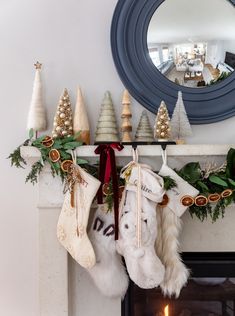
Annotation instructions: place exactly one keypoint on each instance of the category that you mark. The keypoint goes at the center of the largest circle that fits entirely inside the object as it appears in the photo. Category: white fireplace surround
(65, 289)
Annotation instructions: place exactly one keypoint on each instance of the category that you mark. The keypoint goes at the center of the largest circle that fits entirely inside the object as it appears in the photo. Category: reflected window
(154, 55)
(165, 54)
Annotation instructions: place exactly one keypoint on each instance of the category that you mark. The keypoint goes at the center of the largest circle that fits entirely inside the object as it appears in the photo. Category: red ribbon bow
(108, 169)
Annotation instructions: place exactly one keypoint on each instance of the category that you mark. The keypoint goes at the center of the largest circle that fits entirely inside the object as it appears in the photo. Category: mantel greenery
(212, 180)
(60, 145)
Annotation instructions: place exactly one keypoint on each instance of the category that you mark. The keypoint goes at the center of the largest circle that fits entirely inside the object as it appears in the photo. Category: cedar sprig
(169, 183)
(34, 173)
(15, 156)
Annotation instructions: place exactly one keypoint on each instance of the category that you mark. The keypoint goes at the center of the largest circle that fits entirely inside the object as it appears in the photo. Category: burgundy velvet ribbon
(107, 170)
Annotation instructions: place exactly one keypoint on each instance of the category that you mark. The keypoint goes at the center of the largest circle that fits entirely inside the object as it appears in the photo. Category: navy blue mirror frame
(146, 84)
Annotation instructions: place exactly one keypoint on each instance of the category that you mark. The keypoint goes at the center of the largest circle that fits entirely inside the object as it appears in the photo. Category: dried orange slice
(214, 197)
(165, 200)
(54, 155)
(201, 200)
(107, 189)
(66, 165)
(226, 193)
(187, 200)
(48, 141)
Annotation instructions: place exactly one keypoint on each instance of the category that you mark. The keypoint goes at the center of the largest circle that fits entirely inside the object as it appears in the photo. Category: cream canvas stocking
(167, 244)
(138, 225)
(108, 273)
(73, 219)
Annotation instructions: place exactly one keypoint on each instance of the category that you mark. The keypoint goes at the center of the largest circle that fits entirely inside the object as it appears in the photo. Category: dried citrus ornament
(66, 165)
(48, 141)
(107, 189)
(226, 193)
(201, 200)
(54, 155)
(214, 197)
(165, 201)
(187, 200)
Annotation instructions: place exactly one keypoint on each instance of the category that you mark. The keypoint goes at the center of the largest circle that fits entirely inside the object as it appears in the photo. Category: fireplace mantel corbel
(53, 266)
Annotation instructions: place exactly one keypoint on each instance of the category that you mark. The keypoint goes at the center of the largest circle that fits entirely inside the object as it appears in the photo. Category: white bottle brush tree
(180, 126)
(37, 112)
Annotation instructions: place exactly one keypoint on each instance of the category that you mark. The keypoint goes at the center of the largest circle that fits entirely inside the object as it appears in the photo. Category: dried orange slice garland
(200, 200)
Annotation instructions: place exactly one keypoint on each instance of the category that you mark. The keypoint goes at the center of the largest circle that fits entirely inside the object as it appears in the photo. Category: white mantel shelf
(145, 151)
(54, 267)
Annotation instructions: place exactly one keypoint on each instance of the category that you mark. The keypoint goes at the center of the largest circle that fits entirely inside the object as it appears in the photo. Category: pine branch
(15, 156)
(169, 183)
(16, 159)
(218, 211)
(201, 212)
(34, 173)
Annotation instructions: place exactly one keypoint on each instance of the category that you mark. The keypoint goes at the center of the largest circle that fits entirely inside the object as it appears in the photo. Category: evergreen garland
(217, 181)
(62, 145)
(207, 182)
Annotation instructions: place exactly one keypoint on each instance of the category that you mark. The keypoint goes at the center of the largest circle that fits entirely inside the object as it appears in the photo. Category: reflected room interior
(197, 47)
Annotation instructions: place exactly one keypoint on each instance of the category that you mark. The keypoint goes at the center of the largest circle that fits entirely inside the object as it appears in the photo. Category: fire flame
(166, 310)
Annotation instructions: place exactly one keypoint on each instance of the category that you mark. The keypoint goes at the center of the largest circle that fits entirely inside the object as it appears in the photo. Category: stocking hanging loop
(73, 154)
(135, 155)
(164, 156)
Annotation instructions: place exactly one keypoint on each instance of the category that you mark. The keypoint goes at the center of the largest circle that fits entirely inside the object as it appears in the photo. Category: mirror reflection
(192, 43)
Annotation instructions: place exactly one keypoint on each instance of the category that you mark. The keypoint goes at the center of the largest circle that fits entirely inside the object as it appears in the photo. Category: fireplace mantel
(54, 267)
(145, 151)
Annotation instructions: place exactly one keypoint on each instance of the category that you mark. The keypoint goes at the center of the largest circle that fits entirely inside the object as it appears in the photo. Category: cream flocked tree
(180, 125)
(80, 120)
(107, 130)
(37, 112)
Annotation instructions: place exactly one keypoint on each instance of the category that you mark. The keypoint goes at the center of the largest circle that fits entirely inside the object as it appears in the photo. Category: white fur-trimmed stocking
(73, 219)
(108, 273)
(167, 244)
(138, 225)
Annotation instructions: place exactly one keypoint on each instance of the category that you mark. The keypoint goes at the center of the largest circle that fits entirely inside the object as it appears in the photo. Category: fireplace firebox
(209, 292)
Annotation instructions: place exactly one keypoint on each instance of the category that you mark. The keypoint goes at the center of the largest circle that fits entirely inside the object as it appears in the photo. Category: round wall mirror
(193, 44)
(161, 47)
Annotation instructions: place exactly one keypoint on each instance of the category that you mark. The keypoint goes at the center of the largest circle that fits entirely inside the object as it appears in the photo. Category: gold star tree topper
(38, 65)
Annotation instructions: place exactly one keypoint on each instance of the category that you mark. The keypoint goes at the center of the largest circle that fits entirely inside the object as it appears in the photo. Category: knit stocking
(73, 219)
(108, 274)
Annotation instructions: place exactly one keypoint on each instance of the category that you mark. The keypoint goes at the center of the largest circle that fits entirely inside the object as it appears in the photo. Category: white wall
(71, 39)
(215, 52)
(229, 46)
